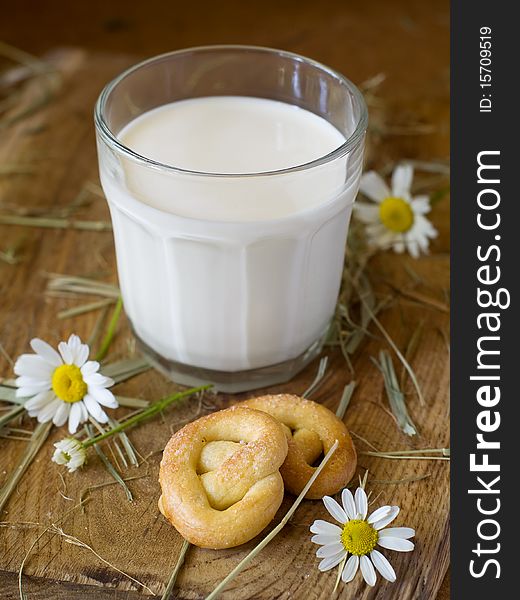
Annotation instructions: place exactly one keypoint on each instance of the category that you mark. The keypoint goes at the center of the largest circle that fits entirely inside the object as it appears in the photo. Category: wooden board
(59, 142)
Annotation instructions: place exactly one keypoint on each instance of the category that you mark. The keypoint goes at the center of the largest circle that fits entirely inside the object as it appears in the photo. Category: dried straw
(173, 577)
(395, 395)
(37, 440)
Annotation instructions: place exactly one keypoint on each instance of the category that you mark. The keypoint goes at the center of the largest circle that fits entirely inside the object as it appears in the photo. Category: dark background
(405, 39)
(473, 132)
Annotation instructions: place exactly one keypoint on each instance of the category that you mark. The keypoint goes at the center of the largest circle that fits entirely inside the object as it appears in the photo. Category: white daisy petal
(66, 353)
(329, 550)
(89, 368)
(78, 351)
(349, 506)
(84, 412)
(382, 565)
(323, 538)
(422, 224)
(373, 185)
(32, 365)
(46, 352)
(74, 341)
(335, 509)
(432, 232)
(93, 379)
(350, 569)
(49, 410)
(324, 527)
(383, 522)
(366, 213)
(98, 380)
(402, 181)
(75, 417)
(378, 514)
(29, 387)
(398, 532)
(81, 354)
(394, 543)
(39, 401)
(331, 561)
(420, 205)
(95, 409)
(376, 230)
(399, 246)
(25, 381)
(385, 239)
(367, 568)
(361, 503)
(107, 381)
(103, 396)
(423, 243)
(62, 414)
(413, 248)
(28, 391)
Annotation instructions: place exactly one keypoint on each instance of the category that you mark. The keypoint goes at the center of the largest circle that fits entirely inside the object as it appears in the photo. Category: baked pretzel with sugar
(220, 477)
(311, 430)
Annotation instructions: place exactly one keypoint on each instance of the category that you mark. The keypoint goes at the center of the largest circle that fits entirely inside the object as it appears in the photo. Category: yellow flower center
(396, 214)
(68, 384)
(358, 537)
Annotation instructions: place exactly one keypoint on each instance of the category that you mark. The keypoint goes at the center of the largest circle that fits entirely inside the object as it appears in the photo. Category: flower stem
(150, 411)
(107, 340)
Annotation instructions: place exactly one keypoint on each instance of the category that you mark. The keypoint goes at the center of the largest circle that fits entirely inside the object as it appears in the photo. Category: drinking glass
(241, 302)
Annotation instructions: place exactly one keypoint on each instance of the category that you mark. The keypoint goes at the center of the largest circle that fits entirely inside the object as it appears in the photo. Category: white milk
(230, 134)
(239, 272)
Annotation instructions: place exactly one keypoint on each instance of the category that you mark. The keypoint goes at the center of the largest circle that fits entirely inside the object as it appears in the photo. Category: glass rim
(110, 138)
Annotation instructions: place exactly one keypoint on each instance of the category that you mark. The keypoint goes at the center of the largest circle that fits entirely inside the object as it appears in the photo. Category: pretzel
(311, 430)
(219, 477)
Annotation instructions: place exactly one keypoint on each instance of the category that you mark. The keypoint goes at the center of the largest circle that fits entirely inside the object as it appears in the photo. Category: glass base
(231, 382)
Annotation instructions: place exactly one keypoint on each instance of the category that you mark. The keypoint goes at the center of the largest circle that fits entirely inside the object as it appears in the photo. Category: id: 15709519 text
(485, 70)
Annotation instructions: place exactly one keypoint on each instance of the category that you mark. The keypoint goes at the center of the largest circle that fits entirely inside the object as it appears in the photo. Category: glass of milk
(230, 173)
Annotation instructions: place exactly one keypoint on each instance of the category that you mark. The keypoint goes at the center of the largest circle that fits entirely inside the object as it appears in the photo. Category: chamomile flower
(358, 537)
(395, 219)
(71, 453)
(63, 386)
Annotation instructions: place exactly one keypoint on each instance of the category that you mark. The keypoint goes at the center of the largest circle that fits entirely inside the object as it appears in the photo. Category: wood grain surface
(406, 42)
